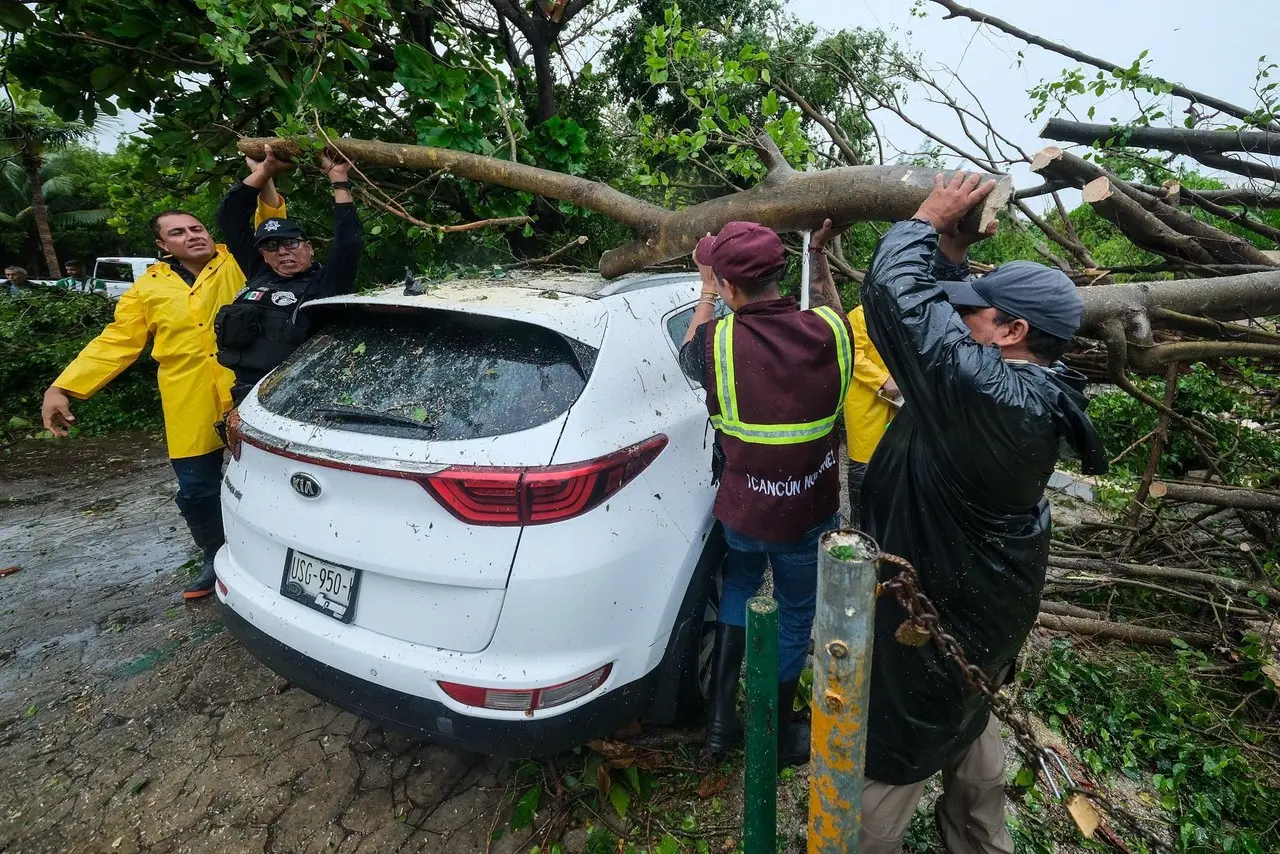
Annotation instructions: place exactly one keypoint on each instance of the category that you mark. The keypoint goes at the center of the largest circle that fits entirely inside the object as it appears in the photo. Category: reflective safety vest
(780, 377)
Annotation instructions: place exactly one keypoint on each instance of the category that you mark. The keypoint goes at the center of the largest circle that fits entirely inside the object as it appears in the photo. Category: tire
(695, 670)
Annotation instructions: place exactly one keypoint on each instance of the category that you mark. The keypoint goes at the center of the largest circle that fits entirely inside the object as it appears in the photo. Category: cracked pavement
(132, 722)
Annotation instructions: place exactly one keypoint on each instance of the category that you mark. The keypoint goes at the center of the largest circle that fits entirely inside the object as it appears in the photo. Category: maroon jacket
(787, 371)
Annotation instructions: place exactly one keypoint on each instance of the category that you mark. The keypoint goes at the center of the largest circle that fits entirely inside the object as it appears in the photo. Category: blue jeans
(795, 586)
(199, 482)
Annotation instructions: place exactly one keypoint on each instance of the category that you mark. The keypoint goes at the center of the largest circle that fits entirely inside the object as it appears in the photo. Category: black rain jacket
(956, 487)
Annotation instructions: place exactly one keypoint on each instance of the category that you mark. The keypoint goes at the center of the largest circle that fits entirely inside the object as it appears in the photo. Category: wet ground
(132, 722)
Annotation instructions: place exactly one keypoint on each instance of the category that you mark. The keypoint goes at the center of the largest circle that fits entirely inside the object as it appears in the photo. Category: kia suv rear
(482, 513)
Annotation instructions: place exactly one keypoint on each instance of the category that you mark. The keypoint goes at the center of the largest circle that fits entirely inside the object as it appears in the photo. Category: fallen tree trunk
(786, 200)
(1220, 298)
(1248, 196)
(1220, 496)
(1175, 140)
(1064, 609)
(1121, 631)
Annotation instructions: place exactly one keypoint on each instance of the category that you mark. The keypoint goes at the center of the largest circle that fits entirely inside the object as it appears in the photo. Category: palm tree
(58, 185)
(29, 131)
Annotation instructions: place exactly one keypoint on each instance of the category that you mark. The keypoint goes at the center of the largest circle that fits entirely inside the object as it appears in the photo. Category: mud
(131, 722)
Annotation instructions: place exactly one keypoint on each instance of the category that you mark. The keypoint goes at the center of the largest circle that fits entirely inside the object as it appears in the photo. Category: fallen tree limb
(1064, 609)
(786, 200)
(1139, 225)
(1221, 298)
(956, 10)
(1173, 573)
(580, 240)
(1247, 196)
(1212, 328)
(1248, 168)
(1121, 631)
(1054, 163)
(1175, 140)
(1219, 496)
(1147, 358)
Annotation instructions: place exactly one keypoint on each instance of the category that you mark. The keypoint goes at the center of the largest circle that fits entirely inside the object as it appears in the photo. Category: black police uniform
(262, 326)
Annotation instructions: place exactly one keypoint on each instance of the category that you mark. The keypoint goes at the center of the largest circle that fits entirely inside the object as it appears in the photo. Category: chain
(924, 624)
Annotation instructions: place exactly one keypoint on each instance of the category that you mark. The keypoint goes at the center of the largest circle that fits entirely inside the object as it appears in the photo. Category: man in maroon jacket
(776, 379)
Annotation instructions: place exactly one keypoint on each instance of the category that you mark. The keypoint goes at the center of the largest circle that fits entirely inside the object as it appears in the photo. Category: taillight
(234, 438)
(480, 495)
(526, 699)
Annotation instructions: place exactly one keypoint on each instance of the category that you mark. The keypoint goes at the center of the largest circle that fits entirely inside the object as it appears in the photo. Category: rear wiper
(340, 412)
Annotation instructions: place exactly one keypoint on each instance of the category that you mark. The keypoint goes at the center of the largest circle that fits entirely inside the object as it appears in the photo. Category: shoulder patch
(283, 298)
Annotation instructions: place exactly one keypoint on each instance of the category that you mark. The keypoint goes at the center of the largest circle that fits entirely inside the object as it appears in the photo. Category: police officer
(263, 326)
(776, 378)
(173, 306)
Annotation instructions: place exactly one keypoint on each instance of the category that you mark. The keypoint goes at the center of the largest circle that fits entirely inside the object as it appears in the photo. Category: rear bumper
(425, 717)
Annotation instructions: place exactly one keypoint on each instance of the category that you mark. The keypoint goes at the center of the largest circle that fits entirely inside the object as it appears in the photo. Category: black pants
(199, 482)
(857, 471)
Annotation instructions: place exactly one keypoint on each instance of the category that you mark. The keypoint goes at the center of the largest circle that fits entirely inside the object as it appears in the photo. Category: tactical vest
(780, 379)
(258, 330)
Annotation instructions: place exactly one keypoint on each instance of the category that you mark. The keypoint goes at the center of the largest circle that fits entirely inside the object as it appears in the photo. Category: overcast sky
(1212, 47)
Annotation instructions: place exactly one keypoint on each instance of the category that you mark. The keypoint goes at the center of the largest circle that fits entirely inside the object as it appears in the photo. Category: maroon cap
(743, 252)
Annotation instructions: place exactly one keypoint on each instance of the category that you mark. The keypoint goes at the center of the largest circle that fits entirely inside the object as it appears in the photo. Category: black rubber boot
(205, 523)
(723, 728)
(793, 735)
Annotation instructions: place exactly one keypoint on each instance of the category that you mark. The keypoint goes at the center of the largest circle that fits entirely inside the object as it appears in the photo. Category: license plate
(327, 587)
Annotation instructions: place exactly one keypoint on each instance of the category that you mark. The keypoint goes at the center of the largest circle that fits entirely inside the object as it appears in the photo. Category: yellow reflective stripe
(844, 349)
(722, 355)
(774, 434)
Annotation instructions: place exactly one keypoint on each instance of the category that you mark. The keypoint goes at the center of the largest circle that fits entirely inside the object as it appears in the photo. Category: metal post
(760, 827)
(841, 689)
(804, 272)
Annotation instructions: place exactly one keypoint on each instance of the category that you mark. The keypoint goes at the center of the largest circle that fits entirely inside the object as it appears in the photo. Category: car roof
(571, 303)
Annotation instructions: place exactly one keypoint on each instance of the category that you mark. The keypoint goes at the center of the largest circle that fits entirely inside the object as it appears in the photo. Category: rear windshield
(428, 374)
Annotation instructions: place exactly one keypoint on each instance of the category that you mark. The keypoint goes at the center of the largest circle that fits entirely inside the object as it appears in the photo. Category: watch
(340, 185)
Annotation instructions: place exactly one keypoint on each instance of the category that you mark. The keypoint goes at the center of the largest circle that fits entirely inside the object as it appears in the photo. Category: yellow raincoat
(195, 391)
(865, 415)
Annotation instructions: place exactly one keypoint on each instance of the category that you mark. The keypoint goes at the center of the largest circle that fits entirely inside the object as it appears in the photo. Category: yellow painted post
(841, 689)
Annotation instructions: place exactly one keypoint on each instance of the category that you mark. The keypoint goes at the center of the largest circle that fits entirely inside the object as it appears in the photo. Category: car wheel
(695, 671)
(707, 637)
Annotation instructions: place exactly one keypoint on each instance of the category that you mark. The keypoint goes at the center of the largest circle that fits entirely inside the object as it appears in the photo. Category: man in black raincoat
(957, 487)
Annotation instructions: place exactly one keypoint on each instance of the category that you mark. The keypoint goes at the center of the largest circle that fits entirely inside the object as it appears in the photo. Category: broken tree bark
(1121, 631)
(1174, 140)
(786, 200)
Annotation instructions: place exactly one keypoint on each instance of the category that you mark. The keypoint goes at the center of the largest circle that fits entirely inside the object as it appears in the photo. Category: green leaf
(246, 80)
(419, 414)
(1025, 779)
(526, 808)
(668, 845)
(358, 350)
(621, 800)
(105, 76)
(15, 17)
(132, 27)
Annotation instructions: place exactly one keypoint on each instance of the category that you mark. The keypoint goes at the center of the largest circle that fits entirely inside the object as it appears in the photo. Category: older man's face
(15, 275)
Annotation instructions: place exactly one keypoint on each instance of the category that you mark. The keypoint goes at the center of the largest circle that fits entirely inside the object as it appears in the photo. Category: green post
(761, 777)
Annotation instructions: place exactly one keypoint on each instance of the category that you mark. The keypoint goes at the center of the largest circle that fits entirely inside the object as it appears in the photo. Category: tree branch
(956, 10)
(1189, 141)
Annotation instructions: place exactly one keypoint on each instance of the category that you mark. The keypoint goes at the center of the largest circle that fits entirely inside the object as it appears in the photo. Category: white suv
(482, 513)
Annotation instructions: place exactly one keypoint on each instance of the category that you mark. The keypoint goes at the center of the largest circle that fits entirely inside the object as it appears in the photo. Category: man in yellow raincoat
(173, 306)
(868, 408)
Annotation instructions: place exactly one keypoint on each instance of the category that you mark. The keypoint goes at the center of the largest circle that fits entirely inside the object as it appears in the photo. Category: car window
(457, 375)
(678, 323)
(114, 272)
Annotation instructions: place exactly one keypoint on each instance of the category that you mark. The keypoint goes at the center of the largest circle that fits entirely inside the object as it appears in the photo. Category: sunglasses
(277, 245)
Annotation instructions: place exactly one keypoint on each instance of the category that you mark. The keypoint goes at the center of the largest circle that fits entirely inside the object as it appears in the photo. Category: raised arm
(822, 285)
(246, 205)
(920, 336)
(348, 236)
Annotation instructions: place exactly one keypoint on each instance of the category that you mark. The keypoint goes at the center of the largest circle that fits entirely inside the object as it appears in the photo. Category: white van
(119, 274)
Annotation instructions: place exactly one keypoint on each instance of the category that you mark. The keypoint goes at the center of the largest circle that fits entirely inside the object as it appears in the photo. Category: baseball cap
(278, 228)
(745, 253)
(1042, 296)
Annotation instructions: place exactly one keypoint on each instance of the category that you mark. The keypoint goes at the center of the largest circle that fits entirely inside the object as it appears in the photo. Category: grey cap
(1042, 296)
